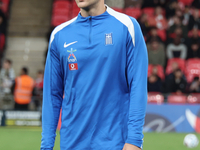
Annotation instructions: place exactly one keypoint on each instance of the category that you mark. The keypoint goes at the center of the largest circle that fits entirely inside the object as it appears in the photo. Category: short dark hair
(8, 61)
(25, 70)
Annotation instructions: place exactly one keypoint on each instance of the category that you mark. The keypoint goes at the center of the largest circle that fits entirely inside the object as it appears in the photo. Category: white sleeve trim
(60, 27)
(125, 20)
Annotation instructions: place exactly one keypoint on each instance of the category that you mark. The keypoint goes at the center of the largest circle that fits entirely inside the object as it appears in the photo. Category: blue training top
(100, 65)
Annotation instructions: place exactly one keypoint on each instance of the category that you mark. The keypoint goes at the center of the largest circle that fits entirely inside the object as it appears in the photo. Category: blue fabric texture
(99, 63)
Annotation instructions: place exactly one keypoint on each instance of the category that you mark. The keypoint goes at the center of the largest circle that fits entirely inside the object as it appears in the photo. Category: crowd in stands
(171, 29)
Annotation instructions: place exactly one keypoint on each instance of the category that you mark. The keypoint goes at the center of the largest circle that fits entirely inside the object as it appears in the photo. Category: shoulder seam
(124, 19)
(60, 27)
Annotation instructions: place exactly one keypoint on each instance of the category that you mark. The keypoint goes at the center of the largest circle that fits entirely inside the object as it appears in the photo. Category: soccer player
(98, 61)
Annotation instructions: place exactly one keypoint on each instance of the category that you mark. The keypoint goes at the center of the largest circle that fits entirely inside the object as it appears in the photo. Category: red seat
(57, 20)
(186, 2)
(75, 10)
(162, 34)
(191, 32)
(133, 12)
(60, 12)
(5, 7)
(179, 61)
(160, 71)
(6, 1)
(2, 42)
(192, 69)
(176, 99)
(118, 9)
(154, 97)
(149, 11)
(61, 5)
(193, 98)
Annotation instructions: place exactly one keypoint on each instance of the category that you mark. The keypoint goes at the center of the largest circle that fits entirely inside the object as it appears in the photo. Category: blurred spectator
(161, 22)
(176, 49)
(177, 23)
(195, 86)
(194, 50)
(22, 89)
(133, 3)
(186, 15)
(156, 53)
(196, 4)
(143, 21)
(7, 76)
(194, 21)
(171, 8)
(153, 35)
(38, 90)
(153, 3)
(194, 37)
(154, 83)
(176, 83)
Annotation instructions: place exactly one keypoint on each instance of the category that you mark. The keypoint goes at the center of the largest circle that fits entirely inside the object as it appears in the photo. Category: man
(7, 76)
(105, 87)
(23, 88)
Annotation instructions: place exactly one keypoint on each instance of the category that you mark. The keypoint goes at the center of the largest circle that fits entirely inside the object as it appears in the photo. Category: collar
(99, 17)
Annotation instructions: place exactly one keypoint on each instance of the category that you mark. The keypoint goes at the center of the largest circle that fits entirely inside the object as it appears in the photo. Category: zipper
(90, 20)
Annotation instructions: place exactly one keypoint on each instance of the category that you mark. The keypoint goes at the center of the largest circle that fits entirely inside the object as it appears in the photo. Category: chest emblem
(73, 65)
(108, 39)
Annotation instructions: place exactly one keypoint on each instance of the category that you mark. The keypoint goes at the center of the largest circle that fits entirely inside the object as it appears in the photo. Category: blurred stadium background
(171, 29)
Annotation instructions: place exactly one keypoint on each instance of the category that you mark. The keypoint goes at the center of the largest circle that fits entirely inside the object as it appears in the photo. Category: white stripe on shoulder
(60, 27)
(125, 20)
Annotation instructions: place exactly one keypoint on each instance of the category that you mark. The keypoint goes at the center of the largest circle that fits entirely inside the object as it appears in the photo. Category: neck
(94, 10)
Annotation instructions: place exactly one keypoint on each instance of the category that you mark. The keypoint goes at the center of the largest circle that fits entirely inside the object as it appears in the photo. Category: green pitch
(29, 139)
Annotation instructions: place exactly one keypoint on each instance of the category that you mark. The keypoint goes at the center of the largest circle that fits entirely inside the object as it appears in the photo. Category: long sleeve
(52, 96)
(169, 51)
(137, 66)
(183, 51)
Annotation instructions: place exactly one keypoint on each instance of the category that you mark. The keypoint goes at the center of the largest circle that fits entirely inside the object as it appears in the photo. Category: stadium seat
(61, 5)
(149, 11)
(159, 68)
(75, 10)
(2, 42)
(5, 7)
(133, 12)
(176, 99)
(118, 9)
(192, 69)
(193, 98)
(154, 97)
(190, 33)
(60, 12)
(57, 20)
(162, 34)
(186, 2)
(6, 1)
(179, 61)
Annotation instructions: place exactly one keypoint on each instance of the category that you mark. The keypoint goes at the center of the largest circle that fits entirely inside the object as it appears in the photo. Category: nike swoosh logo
(66, 45)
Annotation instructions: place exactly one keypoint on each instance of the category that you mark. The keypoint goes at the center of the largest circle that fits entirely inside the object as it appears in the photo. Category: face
(178, 74)
(152, 79)
(87, 4)
(194, 47)
(6, 65)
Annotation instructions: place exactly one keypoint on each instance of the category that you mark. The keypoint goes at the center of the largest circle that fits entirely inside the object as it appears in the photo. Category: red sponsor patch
(73, 66)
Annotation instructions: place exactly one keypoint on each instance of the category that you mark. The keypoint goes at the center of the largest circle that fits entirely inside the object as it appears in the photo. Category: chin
(82, 5)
